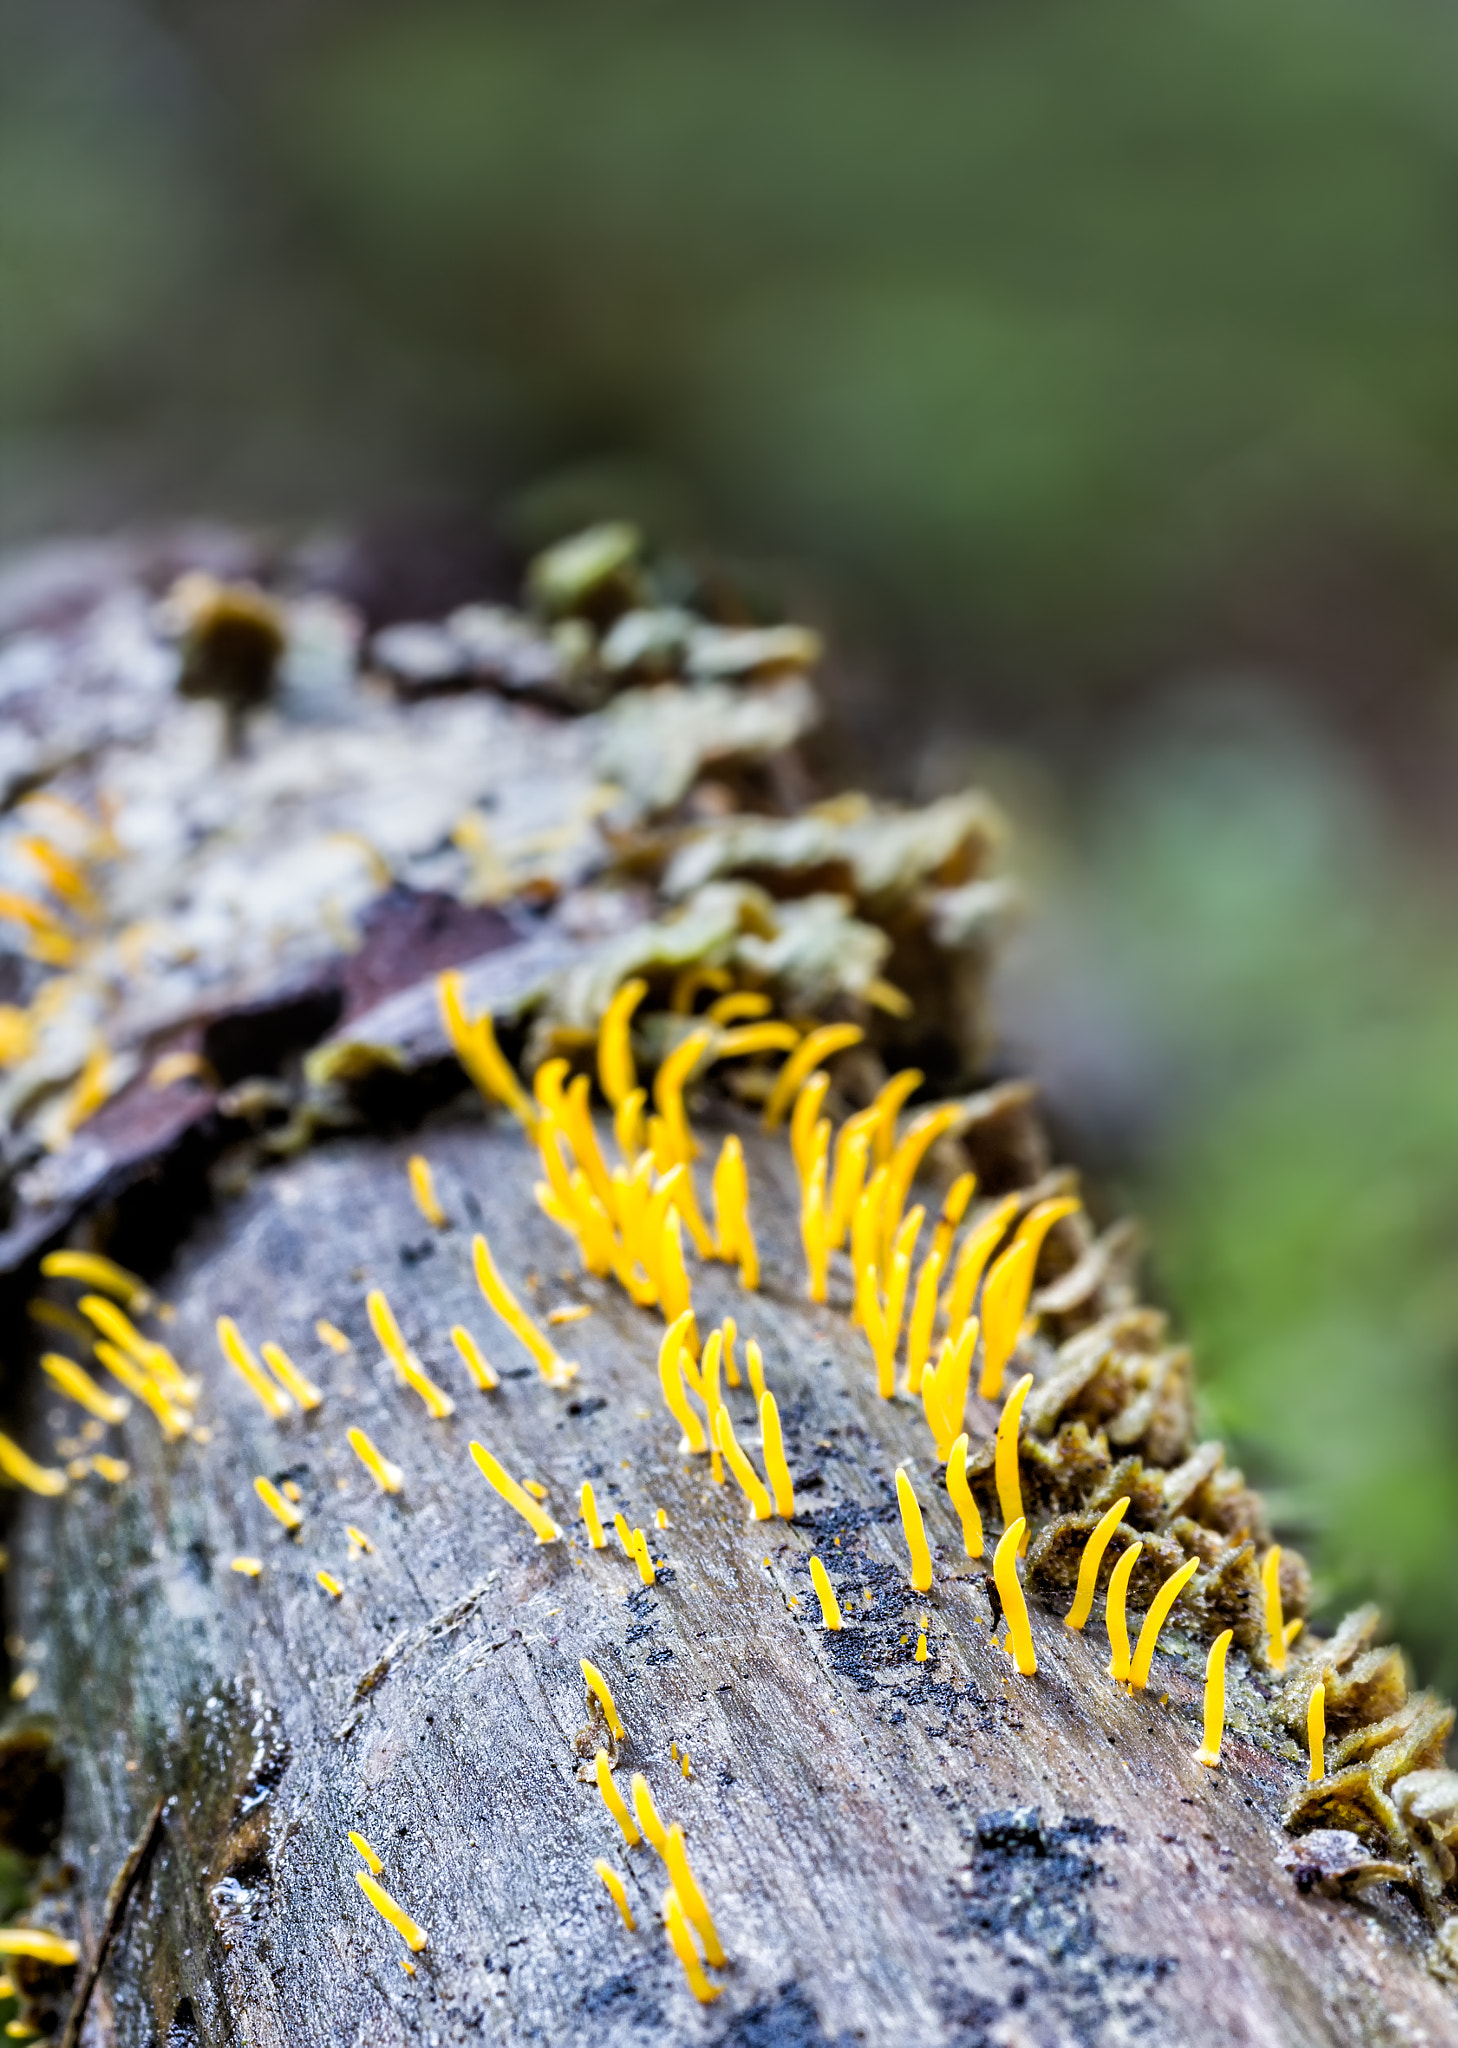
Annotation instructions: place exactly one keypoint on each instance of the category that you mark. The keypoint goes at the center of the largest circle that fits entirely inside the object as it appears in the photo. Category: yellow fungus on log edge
(1014, 1606)
(1209, 1751)
(515, 1496)
(617, 1891)
(413, 1937)
(598, 1685)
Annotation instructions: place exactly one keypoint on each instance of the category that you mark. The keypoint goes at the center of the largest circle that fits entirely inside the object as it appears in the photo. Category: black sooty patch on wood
(1028, 1895)
(788, 2020)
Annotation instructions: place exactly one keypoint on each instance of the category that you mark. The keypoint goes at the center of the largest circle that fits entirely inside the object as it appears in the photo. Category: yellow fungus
(55, 1317)
(617, 1892)
(712, 1399)
(590, 1515)
(576, 1119)
(673, 1286)
(357, 1539)
(1155, 1619)
(1014, 1606)
(330, 1584)
(39, 1945)
(804, 1118)
(742, 1002)
(676, 1922)
(64, 875)
(334, 1338)
(1114, 1616)
(675, 1394)
(816, 1046)
(577, 1312)
(248, 1567)
(1275, 1625)
(473, 1358)
(646, 1814)
(554, 1369)
(754, 1489)
(77, 1384)
(884, 1110)
(961, 1497)
(1316, 1733)
(774, 1035)
(1093, 1557)
(289, 1377)
(923, 1318)
(812, 1218)
(51, 941)
(825, 1594)
(238, 1355)
(172, 1420)
(112, 1470)
(625, 1534)
(181, 1066)
(386, 1907)
(96, 1271)
(292, 1491)
(596, 1683)
(17, 1035)
(1209, 1750)
(515, 1496)
(944, 1391)
(921, 1134)
(920, 1653)
(24, 1471)
(408, 1370)
(642, 1559)
(1041, 1218)
(615, 1069)
(694, 1904)
(422, 1186)
(389, 1478)
(734, 1238)
(1004, 1303)
(976, 1249)
(613, 1799)
(660, 1516)
(754, 1366)
(628, 1123)
(852, 1149)
(278, 1504)
(885, 995)
(1292, 1629)
(474, 1044)
(372, 1862)
(865, 1232)
(688, 982)
(535, 1488)
(668, 1086)
(776, 1471)
(915, 1531)
(1005, 1467)
(954, 1208)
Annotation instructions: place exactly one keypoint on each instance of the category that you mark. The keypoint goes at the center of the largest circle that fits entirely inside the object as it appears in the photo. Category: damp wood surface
(895, 1852)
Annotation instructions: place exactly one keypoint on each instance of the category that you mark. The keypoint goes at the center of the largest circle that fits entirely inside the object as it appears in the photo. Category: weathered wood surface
(842, 1808)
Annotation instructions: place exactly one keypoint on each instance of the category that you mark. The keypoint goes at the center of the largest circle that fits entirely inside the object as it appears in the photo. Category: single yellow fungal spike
(641, 1558)
(474, 1044)
(1316, 1733)
(590, 1515)
(976, 1249)
(25, 1472)
(39, 1945)
(816, 1046)
(371, 1861)
(556, 1371)
(923, 1318)
(1209, 1750)
(954, 1208)
(412, 1936)
(742, 1002)
(515, 1496)
(77, 1384)
(865, 1240)
(754, 1489)
(625, 1534)
(825, 1593)
(1004, 1304)
(1088, 1567)
(1005, 1466)
(113, 1470)
(243, 1362)
(284, 1510)
(54, 1317)
(694, 1904)
(289, 1377)
(1041, 1218)
(334, 1338)
(615, 1070)
(422, 1186)
(668, 1086)
(754, 1366)
(731, 1370)
(628, 1124)
(473, 1358)
(774, 1035)
(775, 1469)
(673, 1286)
(916, 1543)
(96, 1271)
(358, 1539)
(389, 1478)
(887, 1106)
(1275, 1624)
(690, 980)
(1155, 1619)
(921, 1134)
(804, 1119)
(613, 1799)
(655, 1833)
(709, 1366)
(247, 1567)
(172, 1420)
(961, 1497)
(676, 1922)
(617, 1892)
(812, 1218)
(1114, 1615)
(675, 1394)
(596, 1683)
(1014, 1606)
(920, 1653)
(330, 1584)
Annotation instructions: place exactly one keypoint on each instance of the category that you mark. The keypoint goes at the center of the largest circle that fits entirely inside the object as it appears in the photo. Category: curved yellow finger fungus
(694, 1904)
(597, 1684)
(590, 1515)
(615, 1070)
(915, 1531)
(655, 1833)
(743, 1002)
(330, 1584)
(961, 1497)
(669, 1083)
(1275, 1625)
(641, 1558)
(976, 1249)
(283, 1510)
(388, 1477)
(761, 1507)
(474, 1044)
(1209, 1751)
(613, 1799)
(238, 1355)
(515, 1496)
(408, 1370)
(290, 1378)
(473, 1358)
(1155, 1619)
(95, 1271)
(555, 1370)
(733, 1235)
(1004, 1304)
(413, 1937)
(1009, 1484)
(923, 1318)
(39, 1945)
(78, 1386)
(1014, 1606)
(422, 1187)
(825, 1593)
(816, 1046)
(247, 1567)
(335, 1338)
(683, 1947)
(776, 1471)
(1114, 1615)
(372, 1862)
(675, 1393)
(617, 1892)
(1088, 1567)
(172, 1420)
(25, 1472)
(1316, 1733)
(805, 1121)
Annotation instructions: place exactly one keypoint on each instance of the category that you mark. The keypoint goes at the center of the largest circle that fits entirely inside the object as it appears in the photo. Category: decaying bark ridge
(893, 1850)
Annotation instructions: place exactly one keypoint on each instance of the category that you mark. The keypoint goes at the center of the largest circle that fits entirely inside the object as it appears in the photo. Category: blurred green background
(1092, 371)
